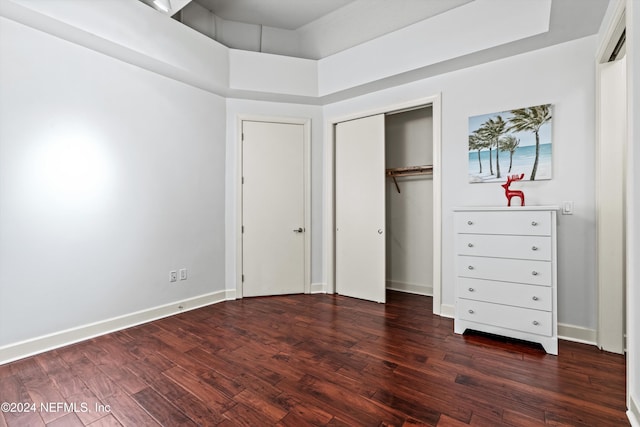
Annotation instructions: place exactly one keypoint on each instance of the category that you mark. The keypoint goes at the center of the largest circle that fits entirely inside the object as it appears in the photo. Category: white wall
(278, 74)
(562, 75)
(239, 107)
(409, 215)
(132, 32)
(110, 177)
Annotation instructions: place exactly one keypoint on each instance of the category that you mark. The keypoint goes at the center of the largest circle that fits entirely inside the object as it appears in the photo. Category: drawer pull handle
(536, 323)
(534, 248)
(471, 290)
(471, 312)
(535, 273)
(534, 223)
(470, 222)
(470, 267)
(470, 245)
(535, 298)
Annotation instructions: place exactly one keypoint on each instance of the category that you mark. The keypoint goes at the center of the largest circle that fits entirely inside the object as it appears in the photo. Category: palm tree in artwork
(531, 119)
(491, 131)
(476, 142)
(509, 143)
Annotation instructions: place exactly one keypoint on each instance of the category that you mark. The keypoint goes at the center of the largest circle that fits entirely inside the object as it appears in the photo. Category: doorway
(611, 148)
(331, 238)
(274, 218)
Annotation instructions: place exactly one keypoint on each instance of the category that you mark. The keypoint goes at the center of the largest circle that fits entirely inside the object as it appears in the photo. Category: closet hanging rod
(408, 171)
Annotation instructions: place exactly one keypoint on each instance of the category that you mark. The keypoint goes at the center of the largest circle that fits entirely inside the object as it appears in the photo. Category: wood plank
(161, 409)
(23, 411)
(46, 396)
(68, 420)
(199, 412)
(92, 403)
(107, 421)
(127, 411)
(191, 383)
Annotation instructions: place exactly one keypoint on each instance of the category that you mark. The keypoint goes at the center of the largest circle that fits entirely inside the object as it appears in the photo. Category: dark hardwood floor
(313, 360)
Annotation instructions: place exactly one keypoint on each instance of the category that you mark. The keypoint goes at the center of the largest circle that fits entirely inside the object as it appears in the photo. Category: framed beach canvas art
(511, 142)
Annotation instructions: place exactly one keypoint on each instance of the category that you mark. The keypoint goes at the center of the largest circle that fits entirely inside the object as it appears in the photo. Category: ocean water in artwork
(523, 159)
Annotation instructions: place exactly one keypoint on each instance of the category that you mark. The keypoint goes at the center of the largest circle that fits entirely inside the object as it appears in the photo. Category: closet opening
(409, 200)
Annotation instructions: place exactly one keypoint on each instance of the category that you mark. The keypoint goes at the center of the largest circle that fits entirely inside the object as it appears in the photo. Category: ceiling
(284, 14)
(316, 29)
(311, 29)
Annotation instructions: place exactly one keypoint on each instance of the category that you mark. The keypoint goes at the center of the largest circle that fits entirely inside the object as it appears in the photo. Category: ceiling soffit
(283, 14)
(311, 29)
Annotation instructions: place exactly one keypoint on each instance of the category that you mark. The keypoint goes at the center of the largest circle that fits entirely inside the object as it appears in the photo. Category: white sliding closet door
(360, 208)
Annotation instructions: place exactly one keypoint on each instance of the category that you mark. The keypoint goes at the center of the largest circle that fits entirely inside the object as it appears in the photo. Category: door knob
(380, 231)
(298, 230)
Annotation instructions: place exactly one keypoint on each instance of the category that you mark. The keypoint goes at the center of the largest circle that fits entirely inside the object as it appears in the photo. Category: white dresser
(506, 272)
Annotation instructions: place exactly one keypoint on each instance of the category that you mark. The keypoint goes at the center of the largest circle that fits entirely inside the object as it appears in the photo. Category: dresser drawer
(505, 246)
(515, 294)
(505, 270)
(505, 316)
(537, 223)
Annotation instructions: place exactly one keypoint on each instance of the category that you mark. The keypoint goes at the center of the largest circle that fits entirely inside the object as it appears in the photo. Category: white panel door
(610, 183)
(272, 208)
(360, 208)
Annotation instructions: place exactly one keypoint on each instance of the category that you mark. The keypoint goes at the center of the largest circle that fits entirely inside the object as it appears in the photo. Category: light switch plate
(567, 208)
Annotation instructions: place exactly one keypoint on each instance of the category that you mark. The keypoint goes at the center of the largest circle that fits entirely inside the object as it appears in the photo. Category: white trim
(612, 32)
(447, 310)
(238, 186)
(633, 413)
(318, 288)
(604, 308)
(436, 106)
(55, 340)
(328, 219)
(435, 102)
(306, 123)
(577, 334)
(230, 294)
(411, 288)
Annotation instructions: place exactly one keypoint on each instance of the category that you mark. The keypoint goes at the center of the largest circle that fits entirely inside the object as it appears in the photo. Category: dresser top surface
(504, 208)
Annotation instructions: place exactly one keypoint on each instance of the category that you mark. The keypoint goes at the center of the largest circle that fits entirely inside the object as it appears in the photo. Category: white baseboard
(318, 288)
(634, 412)
(230, 294)
(447, 310)
(412, 288)
(44, 343)
(577, 334)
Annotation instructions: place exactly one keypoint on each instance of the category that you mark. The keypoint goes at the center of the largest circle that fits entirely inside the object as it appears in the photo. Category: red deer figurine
(513, 193)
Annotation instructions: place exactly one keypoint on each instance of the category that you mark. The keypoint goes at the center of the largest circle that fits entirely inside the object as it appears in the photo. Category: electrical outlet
(183, 274)
(173, 276)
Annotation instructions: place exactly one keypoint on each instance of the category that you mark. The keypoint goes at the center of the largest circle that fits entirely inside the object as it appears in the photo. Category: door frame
(606, 306)
(306, 125)
(329, 200)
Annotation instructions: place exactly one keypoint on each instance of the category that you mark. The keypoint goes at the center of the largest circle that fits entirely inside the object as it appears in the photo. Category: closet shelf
(408, 171)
